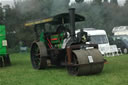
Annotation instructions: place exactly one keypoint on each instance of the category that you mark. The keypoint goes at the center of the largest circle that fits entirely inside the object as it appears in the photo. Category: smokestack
(72, 21)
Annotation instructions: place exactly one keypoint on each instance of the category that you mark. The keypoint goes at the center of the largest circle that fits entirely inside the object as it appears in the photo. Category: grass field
(22, 73)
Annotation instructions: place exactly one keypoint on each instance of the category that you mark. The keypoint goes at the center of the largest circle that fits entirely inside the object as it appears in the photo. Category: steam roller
(61, 46)
(86, 62)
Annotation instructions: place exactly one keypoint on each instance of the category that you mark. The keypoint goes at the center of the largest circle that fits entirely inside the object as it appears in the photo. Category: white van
(98, 37)
(121, 30)
(120, 38)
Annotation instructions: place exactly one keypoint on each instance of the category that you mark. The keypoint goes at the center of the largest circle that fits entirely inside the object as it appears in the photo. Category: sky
(4, 2)
(121, 2)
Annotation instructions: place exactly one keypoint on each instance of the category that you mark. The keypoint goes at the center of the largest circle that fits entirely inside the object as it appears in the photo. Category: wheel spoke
(37, 55)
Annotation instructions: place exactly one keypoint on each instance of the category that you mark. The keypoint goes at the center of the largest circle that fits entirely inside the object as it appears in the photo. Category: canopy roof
(58, 19)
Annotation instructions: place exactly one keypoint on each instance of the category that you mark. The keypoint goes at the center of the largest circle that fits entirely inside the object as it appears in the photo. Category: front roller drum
(38, 55)
(82, 65)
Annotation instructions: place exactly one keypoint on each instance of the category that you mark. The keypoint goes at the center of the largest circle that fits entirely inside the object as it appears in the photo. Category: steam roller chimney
(72, 21)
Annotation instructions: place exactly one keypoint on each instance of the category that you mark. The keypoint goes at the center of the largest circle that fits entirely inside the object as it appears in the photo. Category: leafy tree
(114, 2)
(59, 6)
(98, 15)
(99, 2)
(126, 3)
(1, 14)
(26, 11)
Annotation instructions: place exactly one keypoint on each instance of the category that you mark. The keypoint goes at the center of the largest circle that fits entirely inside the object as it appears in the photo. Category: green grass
(22, 73)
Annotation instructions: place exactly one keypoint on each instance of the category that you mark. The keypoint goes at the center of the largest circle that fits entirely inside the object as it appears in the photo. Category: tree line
(98, 15)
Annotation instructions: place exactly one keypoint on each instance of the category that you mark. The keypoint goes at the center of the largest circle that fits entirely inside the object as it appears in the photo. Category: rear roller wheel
(38, 55)
(80, 64)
